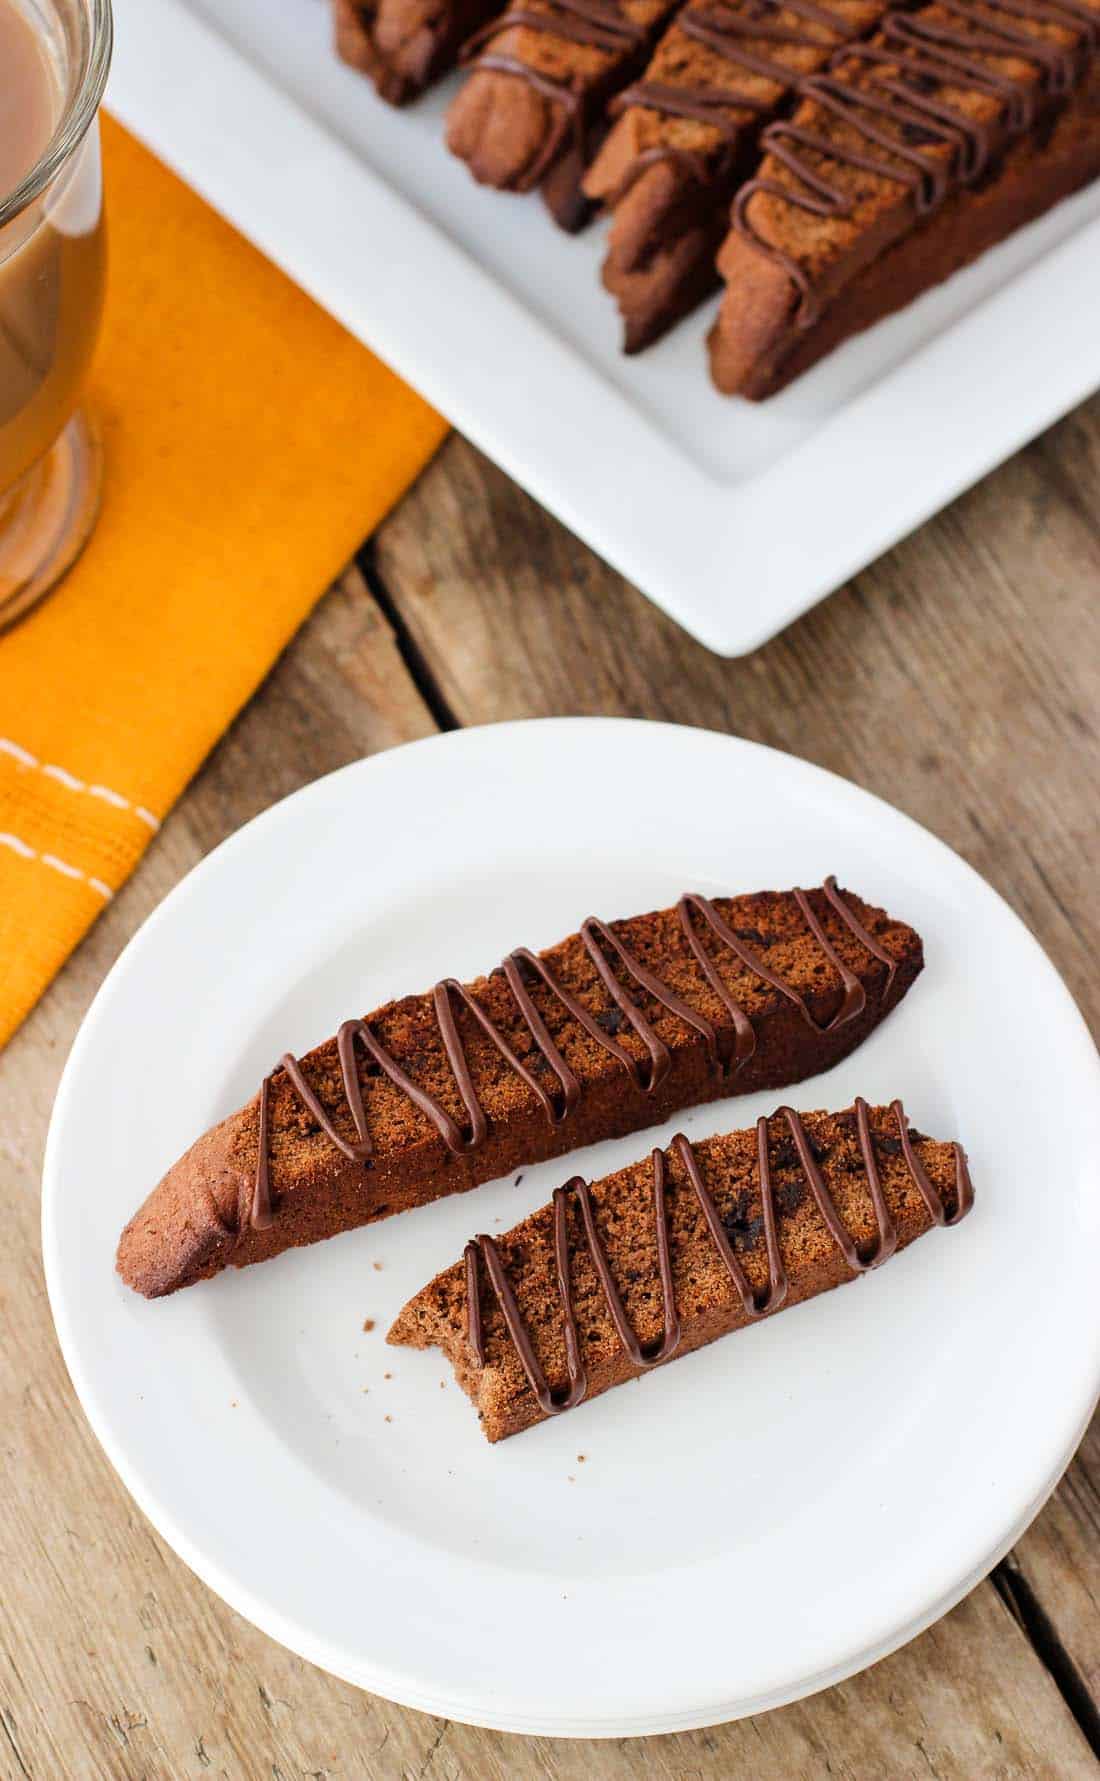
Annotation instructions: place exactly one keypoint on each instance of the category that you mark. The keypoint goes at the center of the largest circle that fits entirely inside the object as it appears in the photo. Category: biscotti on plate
(685, 138)
(616, 1028)
(954, 125)
(617, 1277)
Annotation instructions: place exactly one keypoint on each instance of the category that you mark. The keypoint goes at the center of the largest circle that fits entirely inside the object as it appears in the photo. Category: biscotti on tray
(614, 1029)
(826, 160)
(405, 45)
(685, 138)
(954, 125)
(534, 107)
(620, 1276)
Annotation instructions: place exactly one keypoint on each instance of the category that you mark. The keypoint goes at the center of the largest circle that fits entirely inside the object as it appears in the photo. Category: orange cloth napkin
(250, 446)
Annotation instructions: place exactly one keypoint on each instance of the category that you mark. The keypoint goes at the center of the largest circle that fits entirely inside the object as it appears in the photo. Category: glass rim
(76, 118)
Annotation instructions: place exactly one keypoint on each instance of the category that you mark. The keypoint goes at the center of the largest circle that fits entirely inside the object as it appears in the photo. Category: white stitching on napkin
(56, 865)
(73, 784)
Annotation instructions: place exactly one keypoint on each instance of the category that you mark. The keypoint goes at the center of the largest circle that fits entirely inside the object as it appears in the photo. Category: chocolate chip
(920, 135)
(1044, 130)
(740, 1225)
(750, 1236)
(784, 1154)
(790, 1195)
(612, 1020)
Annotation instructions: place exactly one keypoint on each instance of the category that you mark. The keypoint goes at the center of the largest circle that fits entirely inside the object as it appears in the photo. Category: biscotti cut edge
(684, 138)
(404, 46)
(533, 107)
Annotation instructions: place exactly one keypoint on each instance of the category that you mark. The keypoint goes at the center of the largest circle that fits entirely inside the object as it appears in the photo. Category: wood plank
(944, 1707)
(1053, 1579)
(959, 678)
(115, 1662)
(1054, 1573)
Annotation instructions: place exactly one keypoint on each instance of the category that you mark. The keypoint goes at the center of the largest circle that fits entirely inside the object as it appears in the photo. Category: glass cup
(52, 267)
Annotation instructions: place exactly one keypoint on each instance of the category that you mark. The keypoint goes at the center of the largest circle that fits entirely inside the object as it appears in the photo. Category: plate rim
(731, 570)
(312, 1647)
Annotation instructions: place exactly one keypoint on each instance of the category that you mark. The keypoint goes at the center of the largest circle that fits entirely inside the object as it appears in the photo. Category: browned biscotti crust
(534, 122)
(860, 263)
(1027, 184)
(667, 177)
(405, 45)
(706, 1302)
(201, 1217)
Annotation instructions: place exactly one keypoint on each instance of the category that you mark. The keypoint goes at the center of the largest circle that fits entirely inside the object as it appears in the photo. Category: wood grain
(959, 678)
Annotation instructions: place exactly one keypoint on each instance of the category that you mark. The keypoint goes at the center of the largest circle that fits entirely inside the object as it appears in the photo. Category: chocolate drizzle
(485, 1249)
(897, 78)
(697, 169)
(598, 24)
(698, 102)
(521, 968)
(725, 31)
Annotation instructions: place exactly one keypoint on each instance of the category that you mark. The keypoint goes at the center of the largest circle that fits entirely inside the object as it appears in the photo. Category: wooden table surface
(958, 678)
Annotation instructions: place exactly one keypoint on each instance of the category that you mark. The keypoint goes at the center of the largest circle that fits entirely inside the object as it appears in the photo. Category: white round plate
(747, 1525)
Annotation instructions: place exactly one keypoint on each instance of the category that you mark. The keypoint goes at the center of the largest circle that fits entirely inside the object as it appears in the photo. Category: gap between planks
(416, 662)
